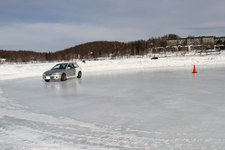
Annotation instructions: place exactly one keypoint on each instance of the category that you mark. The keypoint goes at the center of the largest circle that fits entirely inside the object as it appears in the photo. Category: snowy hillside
(13, 71)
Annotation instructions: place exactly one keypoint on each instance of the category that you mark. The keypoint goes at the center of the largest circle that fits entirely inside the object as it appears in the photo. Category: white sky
(50, 25)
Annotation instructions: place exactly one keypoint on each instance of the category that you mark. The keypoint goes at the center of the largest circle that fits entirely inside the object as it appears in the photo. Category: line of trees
(91, 50)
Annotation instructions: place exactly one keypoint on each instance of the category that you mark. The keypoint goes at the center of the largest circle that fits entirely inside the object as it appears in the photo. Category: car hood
(54, 71)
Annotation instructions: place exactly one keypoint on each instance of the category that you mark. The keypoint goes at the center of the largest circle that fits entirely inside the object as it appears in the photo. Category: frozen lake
(161, 109)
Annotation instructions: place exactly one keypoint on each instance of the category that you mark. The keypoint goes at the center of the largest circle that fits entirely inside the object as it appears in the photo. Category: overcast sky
(51, 25)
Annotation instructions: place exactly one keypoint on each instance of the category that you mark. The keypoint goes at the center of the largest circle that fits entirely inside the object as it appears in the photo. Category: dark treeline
(90, 50)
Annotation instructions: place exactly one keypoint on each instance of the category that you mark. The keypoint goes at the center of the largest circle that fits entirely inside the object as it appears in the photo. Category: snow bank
(13, 71)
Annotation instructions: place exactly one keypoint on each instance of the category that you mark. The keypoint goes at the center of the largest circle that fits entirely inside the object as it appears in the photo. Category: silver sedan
(62, 71)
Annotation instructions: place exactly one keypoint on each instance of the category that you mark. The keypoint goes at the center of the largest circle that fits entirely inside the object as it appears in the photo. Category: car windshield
(59, 66)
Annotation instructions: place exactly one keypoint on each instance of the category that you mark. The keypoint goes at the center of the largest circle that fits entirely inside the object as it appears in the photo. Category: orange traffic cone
(194, 70)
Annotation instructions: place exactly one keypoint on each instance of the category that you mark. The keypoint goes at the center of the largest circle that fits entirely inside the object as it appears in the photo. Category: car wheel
(47, 80)
(79, 74)
(63, 77)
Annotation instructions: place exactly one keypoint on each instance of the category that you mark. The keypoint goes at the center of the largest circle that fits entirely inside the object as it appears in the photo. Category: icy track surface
(161, 109)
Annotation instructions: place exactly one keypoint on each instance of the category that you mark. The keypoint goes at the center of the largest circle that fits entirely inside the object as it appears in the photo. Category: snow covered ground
(150, 104)
(13, 71)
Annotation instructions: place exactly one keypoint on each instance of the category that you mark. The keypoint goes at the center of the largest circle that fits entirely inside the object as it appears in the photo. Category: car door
(70, 70)
(76, 68)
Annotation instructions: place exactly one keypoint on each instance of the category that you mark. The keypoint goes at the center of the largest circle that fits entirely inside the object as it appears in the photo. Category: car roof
(68, 63)
(61, 63)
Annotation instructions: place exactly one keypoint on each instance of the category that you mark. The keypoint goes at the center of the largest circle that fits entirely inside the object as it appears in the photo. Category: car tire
(63, 77)
(79, 74)
(47, 80)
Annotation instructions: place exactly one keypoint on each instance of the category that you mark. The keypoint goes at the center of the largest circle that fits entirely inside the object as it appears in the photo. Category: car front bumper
(51, 77)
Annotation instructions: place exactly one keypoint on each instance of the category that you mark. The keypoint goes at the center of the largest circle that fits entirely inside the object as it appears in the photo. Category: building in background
(197, 43)
(2, 60)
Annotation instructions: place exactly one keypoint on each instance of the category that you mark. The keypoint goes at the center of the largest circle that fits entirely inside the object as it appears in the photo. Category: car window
(59, 66)
(76, 65)
(71, 66)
